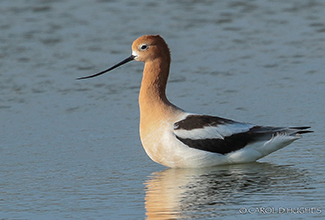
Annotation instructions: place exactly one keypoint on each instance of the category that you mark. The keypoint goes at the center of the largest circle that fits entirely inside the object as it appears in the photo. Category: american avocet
(176, 138)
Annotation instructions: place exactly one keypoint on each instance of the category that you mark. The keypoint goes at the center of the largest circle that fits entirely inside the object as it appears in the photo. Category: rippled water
(70, 149)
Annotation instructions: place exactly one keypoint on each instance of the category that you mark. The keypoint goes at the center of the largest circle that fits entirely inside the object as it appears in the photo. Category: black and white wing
(223, 136)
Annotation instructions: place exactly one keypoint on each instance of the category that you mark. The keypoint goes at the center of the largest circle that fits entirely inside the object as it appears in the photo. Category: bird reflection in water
(216, 191)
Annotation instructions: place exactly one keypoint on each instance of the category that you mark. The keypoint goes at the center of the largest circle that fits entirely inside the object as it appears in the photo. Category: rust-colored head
(146, 48)
(150, 47)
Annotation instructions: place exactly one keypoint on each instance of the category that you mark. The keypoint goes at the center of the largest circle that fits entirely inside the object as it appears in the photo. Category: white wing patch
(227, 130)
(213, 132)
(199, 133)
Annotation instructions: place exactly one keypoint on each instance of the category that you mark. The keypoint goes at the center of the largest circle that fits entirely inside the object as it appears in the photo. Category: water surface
(71, 150)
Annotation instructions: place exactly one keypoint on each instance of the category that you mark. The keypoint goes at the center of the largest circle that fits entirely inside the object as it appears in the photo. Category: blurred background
(70, 149)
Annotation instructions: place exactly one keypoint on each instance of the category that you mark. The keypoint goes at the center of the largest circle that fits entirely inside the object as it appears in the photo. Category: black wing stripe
(200, 121)
(228, 144)
(301, 130)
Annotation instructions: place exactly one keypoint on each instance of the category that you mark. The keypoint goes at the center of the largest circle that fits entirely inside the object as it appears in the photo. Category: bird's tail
(299, 130)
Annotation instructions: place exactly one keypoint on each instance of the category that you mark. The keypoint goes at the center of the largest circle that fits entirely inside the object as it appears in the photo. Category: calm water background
(70, 149)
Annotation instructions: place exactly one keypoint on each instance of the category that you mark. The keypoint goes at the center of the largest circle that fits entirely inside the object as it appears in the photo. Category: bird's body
(176, 138)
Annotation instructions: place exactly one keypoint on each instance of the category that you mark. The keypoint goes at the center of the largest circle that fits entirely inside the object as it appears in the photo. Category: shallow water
(70, 149)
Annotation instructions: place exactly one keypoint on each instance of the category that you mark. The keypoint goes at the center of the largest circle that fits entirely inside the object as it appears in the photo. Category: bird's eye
(143, 47)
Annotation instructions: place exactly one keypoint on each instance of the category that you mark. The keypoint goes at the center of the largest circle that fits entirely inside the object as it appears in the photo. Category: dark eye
(144, 47)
